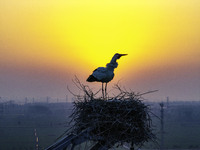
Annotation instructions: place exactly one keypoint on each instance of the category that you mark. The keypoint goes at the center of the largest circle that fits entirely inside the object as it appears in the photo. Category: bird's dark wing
(100, 69)
(100, 73)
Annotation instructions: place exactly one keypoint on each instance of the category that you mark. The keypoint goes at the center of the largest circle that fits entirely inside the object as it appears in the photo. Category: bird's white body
(105, 74)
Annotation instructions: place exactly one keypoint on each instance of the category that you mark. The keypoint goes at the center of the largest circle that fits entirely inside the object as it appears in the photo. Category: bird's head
(117, 56)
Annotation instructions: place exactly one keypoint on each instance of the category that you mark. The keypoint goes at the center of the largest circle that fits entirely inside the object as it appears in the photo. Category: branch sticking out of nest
(88, 93)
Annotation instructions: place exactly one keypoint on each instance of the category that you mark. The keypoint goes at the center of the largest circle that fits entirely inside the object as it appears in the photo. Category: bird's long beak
(123, 54)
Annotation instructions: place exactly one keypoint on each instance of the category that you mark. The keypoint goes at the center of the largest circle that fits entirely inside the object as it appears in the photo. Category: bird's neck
(112, 65)
(113, 60)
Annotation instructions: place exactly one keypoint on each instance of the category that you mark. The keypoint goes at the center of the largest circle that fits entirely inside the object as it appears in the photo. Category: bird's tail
(91, 78)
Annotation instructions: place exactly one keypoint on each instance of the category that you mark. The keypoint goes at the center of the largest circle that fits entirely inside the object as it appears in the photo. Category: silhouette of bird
(105, 74)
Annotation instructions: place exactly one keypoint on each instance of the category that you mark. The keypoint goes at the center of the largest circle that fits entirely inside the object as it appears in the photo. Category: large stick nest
(120, 119)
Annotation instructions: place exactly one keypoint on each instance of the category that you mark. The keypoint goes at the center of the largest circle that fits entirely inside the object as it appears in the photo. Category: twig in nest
(88, 93)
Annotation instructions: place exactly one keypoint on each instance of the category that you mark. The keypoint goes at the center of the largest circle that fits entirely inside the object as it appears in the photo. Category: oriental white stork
(105, 74)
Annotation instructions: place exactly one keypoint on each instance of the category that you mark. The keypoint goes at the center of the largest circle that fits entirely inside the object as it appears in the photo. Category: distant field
(18, 123)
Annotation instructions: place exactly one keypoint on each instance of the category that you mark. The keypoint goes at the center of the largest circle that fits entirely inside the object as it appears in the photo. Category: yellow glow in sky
(72, 34)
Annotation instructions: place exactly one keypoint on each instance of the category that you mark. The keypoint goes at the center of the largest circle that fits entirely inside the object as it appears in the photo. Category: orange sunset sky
(44, 43)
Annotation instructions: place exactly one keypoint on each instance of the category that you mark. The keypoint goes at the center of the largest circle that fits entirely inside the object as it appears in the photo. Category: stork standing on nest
(105, 74)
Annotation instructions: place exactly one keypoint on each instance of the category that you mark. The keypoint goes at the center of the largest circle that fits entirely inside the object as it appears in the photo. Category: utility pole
(162, 125)
(36, 140)
(167, 102)
(132, 146)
